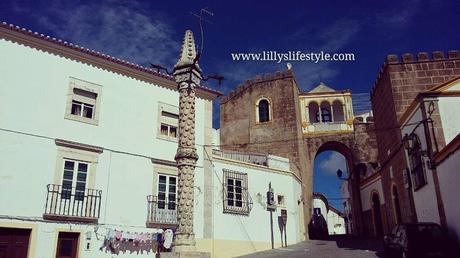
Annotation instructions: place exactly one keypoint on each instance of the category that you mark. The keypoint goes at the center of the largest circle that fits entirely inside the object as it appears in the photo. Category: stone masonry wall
(397, 85)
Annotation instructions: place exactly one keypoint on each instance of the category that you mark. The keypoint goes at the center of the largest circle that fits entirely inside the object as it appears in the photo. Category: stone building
(271, 115)
(399, 81)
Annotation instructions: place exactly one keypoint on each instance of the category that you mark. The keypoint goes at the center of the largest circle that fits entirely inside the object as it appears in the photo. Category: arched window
(325, 115)
(338, 110)
(416, 162)
(264, 110)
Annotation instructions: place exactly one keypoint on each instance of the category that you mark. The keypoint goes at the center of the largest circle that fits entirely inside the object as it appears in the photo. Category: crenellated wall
(399, 81)
(282, 135)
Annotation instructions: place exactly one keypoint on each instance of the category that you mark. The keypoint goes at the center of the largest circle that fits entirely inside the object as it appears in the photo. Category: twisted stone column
(188, 75)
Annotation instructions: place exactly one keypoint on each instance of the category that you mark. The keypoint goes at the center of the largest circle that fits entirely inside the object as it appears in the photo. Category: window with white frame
(416, 162)
(168, 125)
(263, 110)
(168, 122)
(83, 101)
(236, 198)
(167, 192)
(74, 179)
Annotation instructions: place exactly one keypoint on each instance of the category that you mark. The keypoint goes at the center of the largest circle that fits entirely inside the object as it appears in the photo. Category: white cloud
(400, 16)
(122, 30)
(333, 162)
(339, 34)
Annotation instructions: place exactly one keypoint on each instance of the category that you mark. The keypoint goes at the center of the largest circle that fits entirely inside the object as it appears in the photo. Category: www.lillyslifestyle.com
(292, 56)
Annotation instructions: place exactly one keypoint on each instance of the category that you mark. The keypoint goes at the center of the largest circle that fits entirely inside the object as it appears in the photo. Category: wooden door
(67, 245)
(14, 242)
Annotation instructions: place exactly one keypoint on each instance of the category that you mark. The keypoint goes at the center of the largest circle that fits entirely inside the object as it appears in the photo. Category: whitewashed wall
(335, 223)
(33, 94)
(448, 109)
(319, 203)
(449, 180)
(366, 194)
(425, 197)
(256, 226)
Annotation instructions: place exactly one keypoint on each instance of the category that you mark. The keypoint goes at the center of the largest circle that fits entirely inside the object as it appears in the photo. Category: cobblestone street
(337, 247)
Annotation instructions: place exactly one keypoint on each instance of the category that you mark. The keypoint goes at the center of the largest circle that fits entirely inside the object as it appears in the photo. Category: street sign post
(271, 207)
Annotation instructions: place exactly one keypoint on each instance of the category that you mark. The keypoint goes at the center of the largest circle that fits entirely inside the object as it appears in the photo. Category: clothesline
(119, 240)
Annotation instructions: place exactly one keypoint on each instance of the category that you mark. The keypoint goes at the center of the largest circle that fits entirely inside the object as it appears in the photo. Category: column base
(184, 243)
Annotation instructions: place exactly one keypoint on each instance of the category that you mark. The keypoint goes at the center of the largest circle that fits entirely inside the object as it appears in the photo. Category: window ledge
(264, 123)
(82, 119)
(91, 220)
(167, 138)
(152, 224)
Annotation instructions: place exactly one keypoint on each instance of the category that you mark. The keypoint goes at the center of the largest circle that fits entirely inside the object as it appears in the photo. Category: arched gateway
(300, 126)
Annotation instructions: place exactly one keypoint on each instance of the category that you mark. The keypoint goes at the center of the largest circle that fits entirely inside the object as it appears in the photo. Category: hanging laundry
(168, 237)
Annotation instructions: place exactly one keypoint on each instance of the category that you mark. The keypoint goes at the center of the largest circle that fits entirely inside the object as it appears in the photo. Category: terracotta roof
(96, 54)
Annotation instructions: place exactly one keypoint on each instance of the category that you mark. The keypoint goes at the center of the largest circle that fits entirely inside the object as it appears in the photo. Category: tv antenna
(201, 18)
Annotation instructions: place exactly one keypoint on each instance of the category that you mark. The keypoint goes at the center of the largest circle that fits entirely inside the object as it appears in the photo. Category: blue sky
(325, 176)
(151, 32)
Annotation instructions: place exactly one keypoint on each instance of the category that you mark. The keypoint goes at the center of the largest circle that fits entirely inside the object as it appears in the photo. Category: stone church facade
(271, 115)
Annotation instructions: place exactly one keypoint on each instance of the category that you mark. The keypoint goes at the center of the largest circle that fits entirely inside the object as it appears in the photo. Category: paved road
(338, 247)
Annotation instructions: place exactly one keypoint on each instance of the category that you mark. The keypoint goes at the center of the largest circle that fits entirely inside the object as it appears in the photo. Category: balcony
(327, 127)
(266, 160)
(72, 204)
(161, 213)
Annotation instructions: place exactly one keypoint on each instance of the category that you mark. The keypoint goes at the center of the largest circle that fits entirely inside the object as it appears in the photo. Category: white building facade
(87, 150)
(239, 222)
(431, 128)
(335, 219)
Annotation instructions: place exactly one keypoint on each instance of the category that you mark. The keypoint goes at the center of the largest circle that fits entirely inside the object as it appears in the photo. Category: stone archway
(298, 130)
(358, 148)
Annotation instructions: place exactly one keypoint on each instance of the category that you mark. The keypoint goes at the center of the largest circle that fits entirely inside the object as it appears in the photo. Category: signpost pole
(271, 207)
(271, 228)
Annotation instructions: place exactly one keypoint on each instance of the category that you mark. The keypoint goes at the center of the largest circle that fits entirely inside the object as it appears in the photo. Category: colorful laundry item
(118, 241)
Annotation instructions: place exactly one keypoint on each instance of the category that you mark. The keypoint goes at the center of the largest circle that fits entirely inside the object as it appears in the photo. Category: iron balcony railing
(161, 211)
(254, 158)
(72, 203)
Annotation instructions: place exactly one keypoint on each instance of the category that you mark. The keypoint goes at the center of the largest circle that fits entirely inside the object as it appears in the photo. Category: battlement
(421, 57)
(257, 79)
(409, 58)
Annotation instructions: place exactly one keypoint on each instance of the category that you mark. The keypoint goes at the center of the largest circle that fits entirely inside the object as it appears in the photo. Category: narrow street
(336, 247)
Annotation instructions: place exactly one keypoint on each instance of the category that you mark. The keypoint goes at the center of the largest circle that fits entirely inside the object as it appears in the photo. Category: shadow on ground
(335, 246)
(358, 243)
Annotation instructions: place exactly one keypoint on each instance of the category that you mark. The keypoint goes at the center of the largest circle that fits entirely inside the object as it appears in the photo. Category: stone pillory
(188, 76)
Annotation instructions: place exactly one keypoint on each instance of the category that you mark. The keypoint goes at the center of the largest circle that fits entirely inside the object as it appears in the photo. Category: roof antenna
(204, 11)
